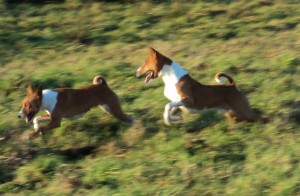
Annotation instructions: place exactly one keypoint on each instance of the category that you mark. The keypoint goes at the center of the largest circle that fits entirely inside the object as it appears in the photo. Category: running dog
(188, 94)
(68, 103)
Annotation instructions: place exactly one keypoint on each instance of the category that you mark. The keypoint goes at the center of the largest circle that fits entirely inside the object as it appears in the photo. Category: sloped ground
(67, 44)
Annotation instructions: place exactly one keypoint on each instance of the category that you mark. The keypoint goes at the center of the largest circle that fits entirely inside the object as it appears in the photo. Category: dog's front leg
(53, 124)
(36, 126)
(38, 119)
(167, 113)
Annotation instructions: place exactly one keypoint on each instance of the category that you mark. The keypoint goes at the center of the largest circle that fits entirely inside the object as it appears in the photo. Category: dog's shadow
(77, 152)
(78, 139)
(101, 132)
(193, 123)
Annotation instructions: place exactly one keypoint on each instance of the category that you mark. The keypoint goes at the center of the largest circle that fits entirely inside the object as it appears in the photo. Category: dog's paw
(167, 118)
(167, 122)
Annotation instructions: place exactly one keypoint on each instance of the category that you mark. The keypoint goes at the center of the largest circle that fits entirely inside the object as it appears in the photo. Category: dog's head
(153, 65)
(31, 103)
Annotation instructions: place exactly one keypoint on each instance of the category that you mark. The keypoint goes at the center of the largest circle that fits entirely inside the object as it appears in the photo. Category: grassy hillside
(67, 44)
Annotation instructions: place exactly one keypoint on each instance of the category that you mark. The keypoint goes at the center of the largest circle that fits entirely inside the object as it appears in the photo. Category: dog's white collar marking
(49, 100)
(171, 74)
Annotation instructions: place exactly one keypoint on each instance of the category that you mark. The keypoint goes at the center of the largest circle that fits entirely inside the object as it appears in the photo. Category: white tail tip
(221, 80)
(98, 80)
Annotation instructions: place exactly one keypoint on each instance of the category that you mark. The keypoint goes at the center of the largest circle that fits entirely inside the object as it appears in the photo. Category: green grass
(67, 44)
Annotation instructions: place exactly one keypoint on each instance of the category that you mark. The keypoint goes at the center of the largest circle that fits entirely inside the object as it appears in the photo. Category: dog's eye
(26, 104)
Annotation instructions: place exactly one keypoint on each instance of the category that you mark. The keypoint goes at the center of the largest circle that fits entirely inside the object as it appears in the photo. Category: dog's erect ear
(152, 51)
(39, 91)
(30, 90)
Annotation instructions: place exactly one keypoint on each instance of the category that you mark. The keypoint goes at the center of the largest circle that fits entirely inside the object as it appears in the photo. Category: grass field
(67, 44)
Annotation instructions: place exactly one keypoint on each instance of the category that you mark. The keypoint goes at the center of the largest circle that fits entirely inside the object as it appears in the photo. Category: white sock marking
(167, 113)
(21, 113)
(37, 120)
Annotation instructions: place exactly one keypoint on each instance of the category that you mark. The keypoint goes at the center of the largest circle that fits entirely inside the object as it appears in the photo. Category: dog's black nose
(19, 116)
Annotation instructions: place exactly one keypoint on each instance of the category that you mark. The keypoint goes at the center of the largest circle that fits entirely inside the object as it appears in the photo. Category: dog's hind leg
(252, 117)
(116, 110)
(105, 108)
(111, 104)
(243, 111)
(230, 116)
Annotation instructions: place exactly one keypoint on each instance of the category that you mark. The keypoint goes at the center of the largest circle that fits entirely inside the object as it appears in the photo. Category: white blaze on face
(138, 74)
(21, 113)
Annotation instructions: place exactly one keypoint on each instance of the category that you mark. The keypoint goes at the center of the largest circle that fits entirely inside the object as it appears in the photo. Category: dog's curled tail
(221, 77)
(99, 80)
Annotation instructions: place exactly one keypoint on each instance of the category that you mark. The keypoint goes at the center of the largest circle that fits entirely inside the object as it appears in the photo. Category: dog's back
(73, 102)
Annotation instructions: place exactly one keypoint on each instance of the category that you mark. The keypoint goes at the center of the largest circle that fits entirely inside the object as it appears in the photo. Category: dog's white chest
(171, 93)
(171, 74)
(49, 100)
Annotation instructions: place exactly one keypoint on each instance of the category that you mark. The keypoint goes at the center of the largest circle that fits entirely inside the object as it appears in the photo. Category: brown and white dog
(68, 103)
(190, 95)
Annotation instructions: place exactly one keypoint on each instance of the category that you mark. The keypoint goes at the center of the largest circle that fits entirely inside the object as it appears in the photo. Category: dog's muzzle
(21, 114)
(137, 74)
